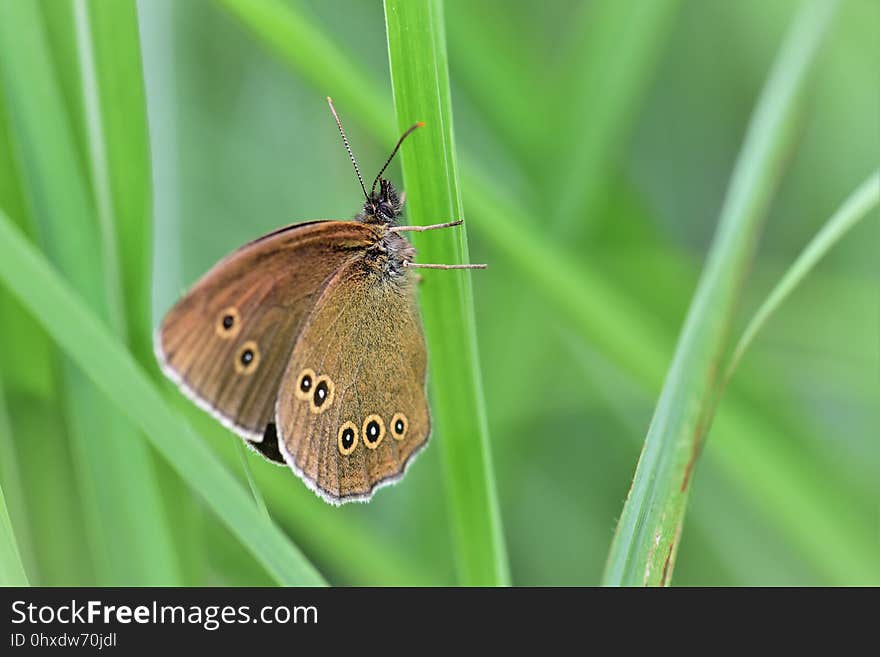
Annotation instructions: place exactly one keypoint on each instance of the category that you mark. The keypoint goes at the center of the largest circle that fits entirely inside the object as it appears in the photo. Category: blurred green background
(612, 127)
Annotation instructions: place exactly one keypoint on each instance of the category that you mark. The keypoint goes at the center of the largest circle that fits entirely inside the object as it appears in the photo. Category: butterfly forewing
(228, 341)
(363, 414)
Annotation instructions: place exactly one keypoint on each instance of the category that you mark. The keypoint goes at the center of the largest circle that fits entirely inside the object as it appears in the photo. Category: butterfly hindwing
(352, 409)
(228, 341)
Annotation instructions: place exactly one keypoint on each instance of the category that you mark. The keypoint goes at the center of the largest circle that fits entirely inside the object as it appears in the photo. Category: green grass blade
(12, 572)
(116, 122)
(420, 80)
(29, 367)
(53, 543)
(106, 362)
(97, 161)
(854, 209)
(252, 484)
(647, 537)
(11, 569)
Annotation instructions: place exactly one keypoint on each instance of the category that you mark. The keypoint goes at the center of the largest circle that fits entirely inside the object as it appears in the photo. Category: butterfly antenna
(406, 134)
(348, 148)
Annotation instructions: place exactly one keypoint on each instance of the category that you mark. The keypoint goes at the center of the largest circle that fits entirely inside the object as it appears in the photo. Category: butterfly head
(383, 205)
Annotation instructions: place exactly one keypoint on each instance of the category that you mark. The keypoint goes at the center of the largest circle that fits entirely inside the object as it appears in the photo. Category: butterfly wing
(352, 410)
(227, 342)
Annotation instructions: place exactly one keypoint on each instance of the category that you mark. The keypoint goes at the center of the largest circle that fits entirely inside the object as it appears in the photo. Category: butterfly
(307, 342)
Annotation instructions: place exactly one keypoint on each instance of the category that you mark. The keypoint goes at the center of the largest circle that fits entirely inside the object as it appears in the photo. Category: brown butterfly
(307, 342)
